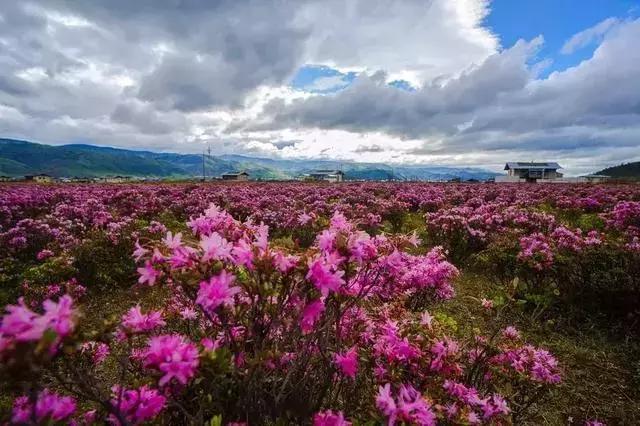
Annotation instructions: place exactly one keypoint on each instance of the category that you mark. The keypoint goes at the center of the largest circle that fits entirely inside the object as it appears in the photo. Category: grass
(601, 372)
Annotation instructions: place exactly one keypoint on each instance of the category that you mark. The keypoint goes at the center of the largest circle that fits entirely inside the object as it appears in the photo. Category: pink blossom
(139, 251)
(148, 274)
(49, 405)
(284, 263)
(215, 247)
(173, 355)
(217, 291)
(22, 324)
(409, 406)
(310, 315)
(426, 320)
(511, 333)
(329, 418)
(323, 278)
(137, 405)
(173, 241)
(304, 218)
(385, 402)
(44, 254)
(347, 362)
(243, 254)
(134, 321)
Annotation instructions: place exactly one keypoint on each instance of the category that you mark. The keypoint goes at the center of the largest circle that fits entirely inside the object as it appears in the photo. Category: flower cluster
(294, 295)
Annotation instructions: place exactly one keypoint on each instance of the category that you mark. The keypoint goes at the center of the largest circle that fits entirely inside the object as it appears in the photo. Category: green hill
(19, 158)
(623, 171)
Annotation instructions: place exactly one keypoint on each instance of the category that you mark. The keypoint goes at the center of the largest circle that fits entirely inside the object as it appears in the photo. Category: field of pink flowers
(297, 303)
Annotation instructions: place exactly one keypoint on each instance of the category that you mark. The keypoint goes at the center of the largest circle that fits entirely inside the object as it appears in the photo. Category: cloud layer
(151, 74)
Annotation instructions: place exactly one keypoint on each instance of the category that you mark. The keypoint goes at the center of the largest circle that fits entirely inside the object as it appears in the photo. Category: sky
(442, 82)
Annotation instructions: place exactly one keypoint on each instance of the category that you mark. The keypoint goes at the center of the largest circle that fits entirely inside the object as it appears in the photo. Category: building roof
(235, 174)
(532, 165)
(327, 172)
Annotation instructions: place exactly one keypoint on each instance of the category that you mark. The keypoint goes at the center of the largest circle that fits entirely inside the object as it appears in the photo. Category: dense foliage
(300, 303)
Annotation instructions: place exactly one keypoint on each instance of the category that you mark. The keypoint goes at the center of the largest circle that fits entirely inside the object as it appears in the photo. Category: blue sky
(556, 20)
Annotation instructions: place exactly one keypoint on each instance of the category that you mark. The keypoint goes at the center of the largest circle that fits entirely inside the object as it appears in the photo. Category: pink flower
(486, 303)
(215, 247)
(134, 321)
(44, 254)
(323, 278)
(348, 363)
(243, 254)
(511, 333)
(284, 263)
(49, 405)
(326, 240)
(171, 241)
(310, 315)
(386, 403)
(22, 324)
(426, 319)
(188, 314)
(217, 291)
(304, 218)
(137, 405)
(139, 251)
(173, 355)
(99, 351)
(148, 274)
(59, 316)
(329, 418)
(409, 407)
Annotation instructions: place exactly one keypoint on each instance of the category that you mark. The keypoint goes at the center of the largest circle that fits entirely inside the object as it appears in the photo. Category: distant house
(530, 172)
(596, 178)
(41, 178)
(326, 175)
(80, 179)
(117, 179)
(5, 179)
(240, 176)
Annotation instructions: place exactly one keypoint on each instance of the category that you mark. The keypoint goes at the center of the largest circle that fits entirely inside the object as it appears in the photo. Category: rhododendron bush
(290, 303)
(251, 331)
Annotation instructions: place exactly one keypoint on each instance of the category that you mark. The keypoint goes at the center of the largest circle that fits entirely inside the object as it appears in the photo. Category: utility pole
(203, 172)
(209, 155)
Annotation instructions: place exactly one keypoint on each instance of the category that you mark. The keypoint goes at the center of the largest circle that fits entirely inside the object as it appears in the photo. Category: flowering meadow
(320, 304)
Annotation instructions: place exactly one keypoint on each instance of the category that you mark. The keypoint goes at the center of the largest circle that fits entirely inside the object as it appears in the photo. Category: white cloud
(588, 36)
(328, 83)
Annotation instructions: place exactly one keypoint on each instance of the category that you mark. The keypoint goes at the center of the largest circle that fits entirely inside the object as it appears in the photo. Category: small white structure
(41, 178)
(326, 175)
(530, 172)
(596, 178)
(117, 179)
(241, 176)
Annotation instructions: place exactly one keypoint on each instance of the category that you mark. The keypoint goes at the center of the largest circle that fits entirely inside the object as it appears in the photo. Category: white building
(326, 175)
(242, 176)
(41, 178)
(530, 172)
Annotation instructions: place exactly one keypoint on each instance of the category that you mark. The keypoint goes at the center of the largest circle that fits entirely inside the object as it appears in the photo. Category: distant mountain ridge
(623, 171)
(18, 158)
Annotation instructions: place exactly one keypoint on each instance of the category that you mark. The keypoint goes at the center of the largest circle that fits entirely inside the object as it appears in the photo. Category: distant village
(317, 175)
(516, 172)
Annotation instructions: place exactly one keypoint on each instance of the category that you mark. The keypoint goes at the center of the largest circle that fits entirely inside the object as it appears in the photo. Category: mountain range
(18, 158)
